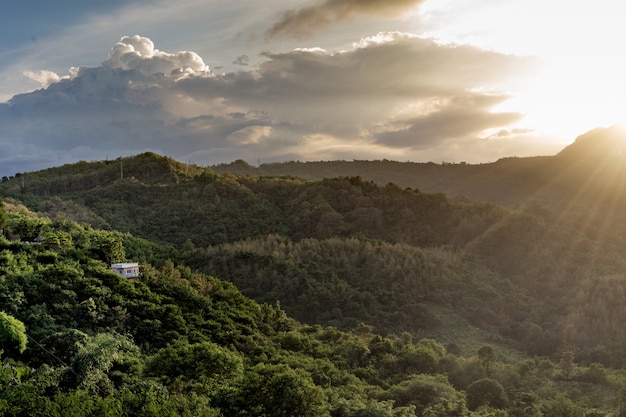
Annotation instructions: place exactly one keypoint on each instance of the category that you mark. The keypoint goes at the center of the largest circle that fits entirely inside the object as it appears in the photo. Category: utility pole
(121, 170)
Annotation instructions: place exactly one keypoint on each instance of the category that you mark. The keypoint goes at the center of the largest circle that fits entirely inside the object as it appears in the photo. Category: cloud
(250, 135)
(242, 60)
(217, 30)
(138, 53)
(454, 119)
(43, 77)
(308, 20)
(392, 95)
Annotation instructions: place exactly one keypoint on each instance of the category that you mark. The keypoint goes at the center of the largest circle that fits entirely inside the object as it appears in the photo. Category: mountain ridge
(578, 184)
(551, 181)
(509, 180)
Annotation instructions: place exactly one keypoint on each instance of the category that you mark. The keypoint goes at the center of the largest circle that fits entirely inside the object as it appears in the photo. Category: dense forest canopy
(279, 296)
(78, 339)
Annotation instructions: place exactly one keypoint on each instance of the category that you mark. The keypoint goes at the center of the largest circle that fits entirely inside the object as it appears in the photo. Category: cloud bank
(308, 20)
(393, 95)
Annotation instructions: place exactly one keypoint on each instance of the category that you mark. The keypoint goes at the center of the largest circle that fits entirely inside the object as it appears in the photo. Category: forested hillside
(344, 250)
(78, 339)
(381, 264)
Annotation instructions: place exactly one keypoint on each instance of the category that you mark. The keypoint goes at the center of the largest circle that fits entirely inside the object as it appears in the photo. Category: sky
(213, 81)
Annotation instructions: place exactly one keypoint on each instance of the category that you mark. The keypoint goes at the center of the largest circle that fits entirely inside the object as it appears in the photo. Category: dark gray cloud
(242, 60)
(307, 20)
(393, 96)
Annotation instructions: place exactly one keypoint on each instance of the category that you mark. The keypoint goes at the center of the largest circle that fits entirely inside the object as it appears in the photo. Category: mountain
(598, 146)
(344, 274)
(351, 247)
(574, 179)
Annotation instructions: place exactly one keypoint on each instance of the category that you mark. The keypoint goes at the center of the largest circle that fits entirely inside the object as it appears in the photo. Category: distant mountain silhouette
(598, 144)
(586, 173)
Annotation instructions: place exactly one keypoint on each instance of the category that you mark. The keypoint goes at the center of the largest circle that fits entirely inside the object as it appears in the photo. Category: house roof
(125, 265)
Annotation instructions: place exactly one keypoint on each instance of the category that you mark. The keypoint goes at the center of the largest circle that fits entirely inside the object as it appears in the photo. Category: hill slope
(78, 339)
(522, 269)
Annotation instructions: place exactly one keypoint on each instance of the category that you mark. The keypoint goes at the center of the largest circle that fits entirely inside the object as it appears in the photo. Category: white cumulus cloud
(138, 53)
(44, 77)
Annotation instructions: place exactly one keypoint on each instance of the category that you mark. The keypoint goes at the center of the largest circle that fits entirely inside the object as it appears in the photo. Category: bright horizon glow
(582, 84)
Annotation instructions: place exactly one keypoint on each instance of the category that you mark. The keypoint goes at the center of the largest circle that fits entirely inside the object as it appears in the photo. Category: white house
(127, 269)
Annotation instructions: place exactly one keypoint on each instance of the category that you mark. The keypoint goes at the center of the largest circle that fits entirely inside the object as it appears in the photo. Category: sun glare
(573, 98)
(582, 85)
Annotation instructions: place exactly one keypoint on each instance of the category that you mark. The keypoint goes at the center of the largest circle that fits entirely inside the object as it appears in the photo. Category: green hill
(356, 288)
(78, 339)
(397, 259)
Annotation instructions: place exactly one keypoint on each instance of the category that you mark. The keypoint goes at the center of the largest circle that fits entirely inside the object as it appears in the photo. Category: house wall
(129, 270)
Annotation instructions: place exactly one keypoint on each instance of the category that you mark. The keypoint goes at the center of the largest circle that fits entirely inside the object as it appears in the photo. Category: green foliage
(487, 357)
(277, 390)
(12, 334)
(108, 247)
(3, 218)
(566, 364)
(428, 392)
(28, 228)
(344, 282)
(90, 366)
(486, 392)
(561, 406)
(206, 364)
(371, 269)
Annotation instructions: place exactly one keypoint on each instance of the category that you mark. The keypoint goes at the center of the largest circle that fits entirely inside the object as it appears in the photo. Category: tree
(620, 403)
(108, 247)
(12, 333)
(487, 357)
(567, 365)
(3, 217)
(562, 406)
(28, 228)
(428, 392)
(485, 392)
(206, 363)
(278, 391)
(57, 239)
(95, 357)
